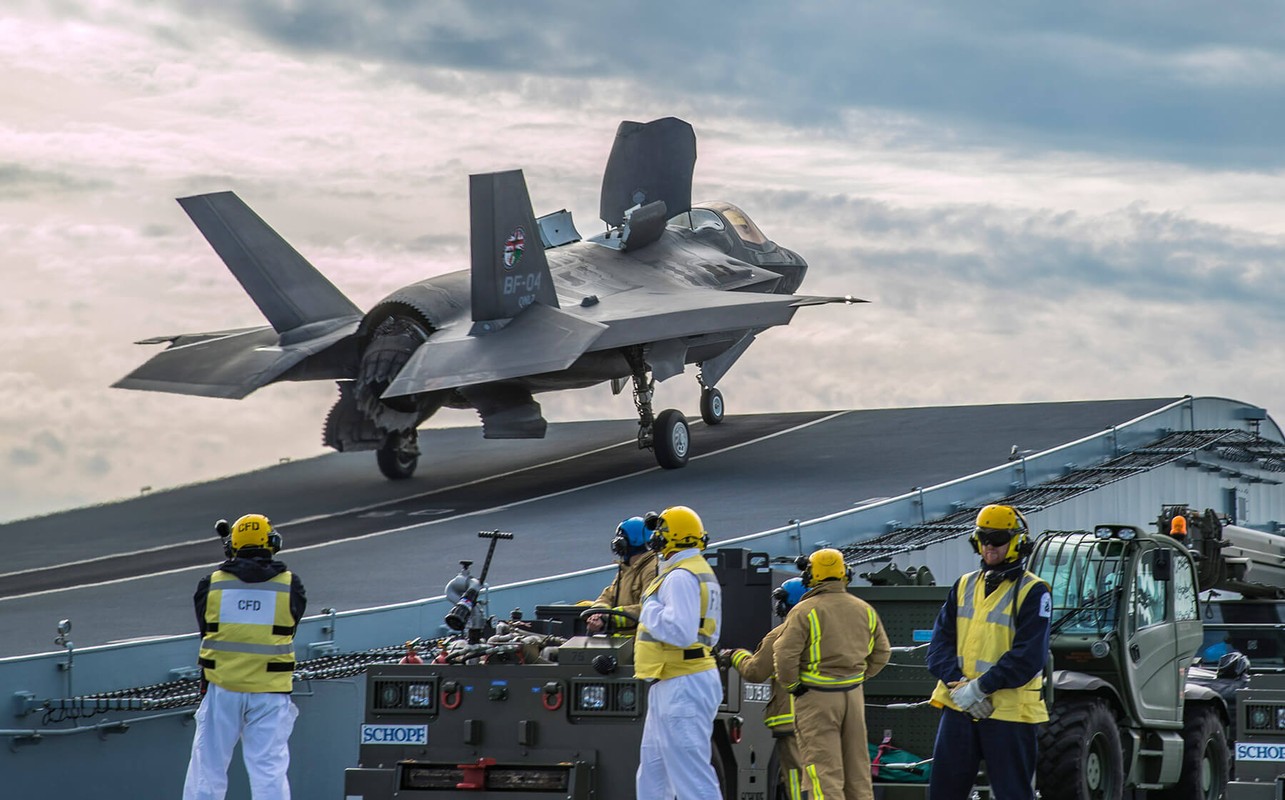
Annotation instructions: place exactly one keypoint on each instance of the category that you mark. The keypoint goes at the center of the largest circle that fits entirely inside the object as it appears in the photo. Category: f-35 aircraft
(668, 284)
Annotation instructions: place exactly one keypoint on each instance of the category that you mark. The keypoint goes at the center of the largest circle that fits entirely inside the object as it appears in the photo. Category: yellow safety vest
(249, 634)
(656, 659)
(984, 627)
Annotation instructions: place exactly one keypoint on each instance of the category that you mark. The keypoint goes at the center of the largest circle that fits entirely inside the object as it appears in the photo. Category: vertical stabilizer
(649, 161)
(287, 289)
(510, 271)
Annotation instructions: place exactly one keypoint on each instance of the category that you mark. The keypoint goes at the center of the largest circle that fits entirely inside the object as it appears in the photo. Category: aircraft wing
(539, 339)
(640, 316)
(228, 364)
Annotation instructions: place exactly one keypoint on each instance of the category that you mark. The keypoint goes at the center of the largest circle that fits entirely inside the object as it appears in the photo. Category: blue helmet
(631, 537)
(788, 594)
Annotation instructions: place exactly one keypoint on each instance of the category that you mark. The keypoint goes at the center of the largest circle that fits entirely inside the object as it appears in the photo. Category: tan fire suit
(626, 589)
(830, 644)
(778, 715)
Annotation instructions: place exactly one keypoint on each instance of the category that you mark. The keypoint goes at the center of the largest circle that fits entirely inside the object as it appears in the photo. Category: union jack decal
(513, 247)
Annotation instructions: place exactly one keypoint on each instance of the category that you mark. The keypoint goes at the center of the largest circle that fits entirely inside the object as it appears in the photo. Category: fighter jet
(666, 285)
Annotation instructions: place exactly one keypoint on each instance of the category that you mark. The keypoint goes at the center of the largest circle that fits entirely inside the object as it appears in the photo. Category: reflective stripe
(233, 583)
(814, 634)
(793, 784)
(817, 794)
(701, 639)
(778, 720)
(964, 596)
(246, 647)
(874, 623)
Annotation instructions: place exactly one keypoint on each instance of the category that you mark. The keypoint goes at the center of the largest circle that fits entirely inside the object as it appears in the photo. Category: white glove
(969, 694)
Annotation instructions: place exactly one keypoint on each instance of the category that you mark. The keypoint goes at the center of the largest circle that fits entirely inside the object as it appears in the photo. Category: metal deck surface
(127, 570)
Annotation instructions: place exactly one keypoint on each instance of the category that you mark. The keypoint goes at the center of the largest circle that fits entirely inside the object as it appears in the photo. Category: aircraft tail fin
(287, 289)
(649, 161)
(509, 268)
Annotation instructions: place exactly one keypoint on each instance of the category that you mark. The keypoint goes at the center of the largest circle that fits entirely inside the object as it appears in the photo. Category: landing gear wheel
(711, 406)
(399, 456)
(1080, 753)
(1204, 759)
(673, 439)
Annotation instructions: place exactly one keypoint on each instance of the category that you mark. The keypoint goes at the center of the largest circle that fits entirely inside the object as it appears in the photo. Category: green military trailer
(1260, 747)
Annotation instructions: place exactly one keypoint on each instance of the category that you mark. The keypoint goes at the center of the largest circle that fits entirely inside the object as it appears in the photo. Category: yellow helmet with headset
(676, 528)
(997, 525)
(250, 532)
(826, 564)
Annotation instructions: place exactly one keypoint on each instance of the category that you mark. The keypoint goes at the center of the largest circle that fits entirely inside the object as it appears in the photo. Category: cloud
(1009, 185)
(1191, 83)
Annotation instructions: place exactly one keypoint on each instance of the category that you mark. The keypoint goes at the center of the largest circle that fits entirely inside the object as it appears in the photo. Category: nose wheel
(711, 405)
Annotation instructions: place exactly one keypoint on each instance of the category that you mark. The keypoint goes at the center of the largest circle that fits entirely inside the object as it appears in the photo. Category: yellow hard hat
(997, 525)
(825, 565)
(678, 528)
(254, 531)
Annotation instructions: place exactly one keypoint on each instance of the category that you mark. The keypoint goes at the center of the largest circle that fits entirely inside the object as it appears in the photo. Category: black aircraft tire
(1204, 759)
(1080, 753)
(394, 462)
(711, 406)
(672, 439)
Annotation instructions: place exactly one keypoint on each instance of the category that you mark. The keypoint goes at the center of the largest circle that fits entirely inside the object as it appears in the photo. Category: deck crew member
(637, 569)
(681, 614)
(831, 643)
(988, 651)
(778, 714)
(247, 611)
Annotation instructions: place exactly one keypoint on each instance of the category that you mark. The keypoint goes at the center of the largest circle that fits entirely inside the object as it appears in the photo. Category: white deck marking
(400, 528)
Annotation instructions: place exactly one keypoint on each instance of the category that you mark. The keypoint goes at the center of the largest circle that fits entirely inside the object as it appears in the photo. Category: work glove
(968, 695)
(983, 709)
(724, 657)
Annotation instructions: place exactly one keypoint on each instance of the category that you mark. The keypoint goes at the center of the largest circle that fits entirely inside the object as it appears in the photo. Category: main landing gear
(667, 433)
(399, 455)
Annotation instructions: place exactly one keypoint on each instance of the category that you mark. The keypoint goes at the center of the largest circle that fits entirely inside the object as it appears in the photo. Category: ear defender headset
(250, 532)
(823, 565)
(787, 595)
(997, 525)
(631, 537)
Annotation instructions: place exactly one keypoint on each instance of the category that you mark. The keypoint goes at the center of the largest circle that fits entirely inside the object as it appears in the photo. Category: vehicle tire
(399, 456)
(1205, 761)
(778, 790)
(711, 406)
(716, 761)
(1080, 753)
(672, 439)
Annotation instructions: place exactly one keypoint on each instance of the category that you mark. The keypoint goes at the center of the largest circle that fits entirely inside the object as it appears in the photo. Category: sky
(1042, 202)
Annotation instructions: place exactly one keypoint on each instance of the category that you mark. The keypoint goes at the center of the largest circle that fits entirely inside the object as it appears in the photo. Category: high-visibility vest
(249, 634)
(984, 628)
(656, 659)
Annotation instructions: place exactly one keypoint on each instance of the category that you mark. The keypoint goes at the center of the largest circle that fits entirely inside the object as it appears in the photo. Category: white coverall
(262, 721)
(674, 757)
